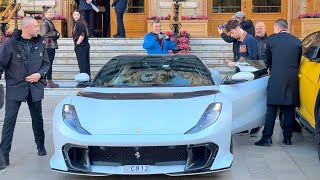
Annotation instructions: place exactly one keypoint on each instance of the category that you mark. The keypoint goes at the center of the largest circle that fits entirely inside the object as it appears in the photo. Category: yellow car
(308, 114)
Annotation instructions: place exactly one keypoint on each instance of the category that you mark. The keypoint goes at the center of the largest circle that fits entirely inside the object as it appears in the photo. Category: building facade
(216, 11)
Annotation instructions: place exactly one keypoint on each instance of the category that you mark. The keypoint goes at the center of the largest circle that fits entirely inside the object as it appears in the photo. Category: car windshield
(148, 71)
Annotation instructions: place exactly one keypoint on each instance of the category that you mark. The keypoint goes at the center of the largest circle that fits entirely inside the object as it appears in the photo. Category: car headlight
(210, 115)
(71, 119)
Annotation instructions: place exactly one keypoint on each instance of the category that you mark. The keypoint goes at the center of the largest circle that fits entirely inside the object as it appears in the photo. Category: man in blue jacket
(120, 7)
(87, 12)
(156, 42)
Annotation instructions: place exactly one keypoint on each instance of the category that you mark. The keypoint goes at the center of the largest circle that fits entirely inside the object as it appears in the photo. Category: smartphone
(221, 26)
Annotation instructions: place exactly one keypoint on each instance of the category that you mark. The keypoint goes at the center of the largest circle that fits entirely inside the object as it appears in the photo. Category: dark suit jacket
(283, 57)
(120, 5)
(85, 6)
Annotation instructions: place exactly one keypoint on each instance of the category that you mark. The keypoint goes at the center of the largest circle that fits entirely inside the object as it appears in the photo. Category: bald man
(25, 62)
(261, 37)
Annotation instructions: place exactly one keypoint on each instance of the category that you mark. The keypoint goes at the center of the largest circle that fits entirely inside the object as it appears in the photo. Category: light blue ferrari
(160, 114)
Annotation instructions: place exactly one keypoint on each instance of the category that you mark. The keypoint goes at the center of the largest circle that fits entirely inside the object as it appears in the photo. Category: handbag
(1, 96)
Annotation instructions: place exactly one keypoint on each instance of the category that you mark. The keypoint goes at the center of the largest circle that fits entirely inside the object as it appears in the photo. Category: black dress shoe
(3, 164)
(264, 142)
(287, 141)
(7, 162)
(255, 131)
(115, 35)
(42, 151)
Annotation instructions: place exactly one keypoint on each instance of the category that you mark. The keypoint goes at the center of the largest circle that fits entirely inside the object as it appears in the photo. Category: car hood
(139, 111)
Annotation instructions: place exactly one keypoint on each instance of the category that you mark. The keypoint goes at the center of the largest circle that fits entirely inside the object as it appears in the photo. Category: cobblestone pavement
(299, 161)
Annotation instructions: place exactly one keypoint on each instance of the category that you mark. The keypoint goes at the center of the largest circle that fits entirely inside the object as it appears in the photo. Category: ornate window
(226, 6)
(266, 6)
(135, 6)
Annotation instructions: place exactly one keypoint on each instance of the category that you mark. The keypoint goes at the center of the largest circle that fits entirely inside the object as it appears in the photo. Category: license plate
(137, 168)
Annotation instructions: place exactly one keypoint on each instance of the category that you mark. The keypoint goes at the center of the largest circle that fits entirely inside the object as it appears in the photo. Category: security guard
(283, 57)
(25, 62)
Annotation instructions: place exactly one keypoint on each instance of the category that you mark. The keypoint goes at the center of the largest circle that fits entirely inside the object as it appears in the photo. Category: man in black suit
(283, 57)
(87, 12)
(120, 7)
(106, 18)
(25, 62)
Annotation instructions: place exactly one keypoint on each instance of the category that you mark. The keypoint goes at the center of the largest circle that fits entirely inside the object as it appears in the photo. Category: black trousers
(83, 58)
(12, 109)
(120, 25)
(289, 113)
(106, 19)
(88, 17)
(51, 53)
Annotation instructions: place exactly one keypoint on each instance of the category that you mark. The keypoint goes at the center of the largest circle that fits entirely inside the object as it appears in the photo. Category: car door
(249, 101)
(309, 79)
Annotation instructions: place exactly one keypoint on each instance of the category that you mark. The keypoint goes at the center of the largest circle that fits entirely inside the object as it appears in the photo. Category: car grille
(151, 155)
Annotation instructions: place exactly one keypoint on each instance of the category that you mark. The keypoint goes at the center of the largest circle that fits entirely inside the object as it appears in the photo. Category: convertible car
(309, 111)
(160, 114)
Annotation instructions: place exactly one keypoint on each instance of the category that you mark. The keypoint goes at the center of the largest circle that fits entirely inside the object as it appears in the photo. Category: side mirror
(82, 78)
(247, 76)
(216, 76)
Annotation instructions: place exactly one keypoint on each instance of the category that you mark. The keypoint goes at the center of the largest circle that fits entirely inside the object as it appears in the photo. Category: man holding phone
(156, 42)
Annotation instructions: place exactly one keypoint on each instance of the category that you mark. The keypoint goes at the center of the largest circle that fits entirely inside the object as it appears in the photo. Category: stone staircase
(211, 50)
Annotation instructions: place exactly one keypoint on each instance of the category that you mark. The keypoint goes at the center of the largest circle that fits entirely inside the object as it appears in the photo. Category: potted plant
(58, 21)
(305, 24)
(183, 41)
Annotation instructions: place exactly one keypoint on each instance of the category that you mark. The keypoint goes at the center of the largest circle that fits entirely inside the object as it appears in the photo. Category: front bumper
(215, 139)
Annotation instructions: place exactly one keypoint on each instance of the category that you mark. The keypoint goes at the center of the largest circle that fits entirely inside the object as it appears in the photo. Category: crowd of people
(281, 53)
(30, 69)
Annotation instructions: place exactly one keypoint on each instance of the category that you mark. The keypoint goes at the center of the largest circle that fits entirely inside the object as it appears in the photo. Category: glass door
(220, 11)
(268, 11)
(134, 18)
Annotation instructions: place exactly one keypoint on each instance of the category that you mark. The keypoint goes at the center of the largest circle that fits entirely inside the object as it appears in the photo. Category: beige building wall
(36, 5)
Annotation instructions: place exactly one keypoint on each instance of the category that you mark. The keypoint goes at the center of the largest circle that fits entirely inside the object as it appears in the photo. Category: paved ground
(299, 161)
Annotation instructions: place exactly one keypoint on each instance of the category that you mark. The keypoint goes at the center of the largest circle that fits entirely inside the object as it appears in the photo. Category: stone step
(102, 60)
(129, 48)
(74, 67)
(111, 44)
(116, 41)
